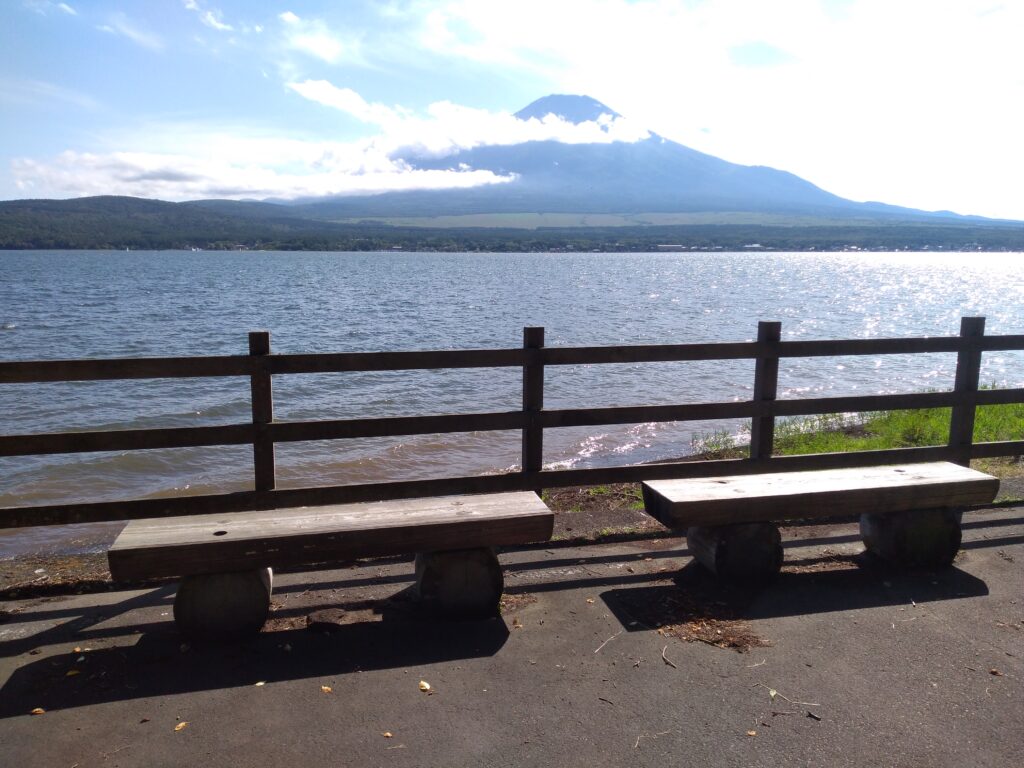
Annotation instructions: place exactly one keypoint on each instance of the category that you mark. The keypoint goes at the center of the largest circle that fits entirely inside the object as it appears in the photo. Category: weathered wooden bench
(227, 560)
(909, 513)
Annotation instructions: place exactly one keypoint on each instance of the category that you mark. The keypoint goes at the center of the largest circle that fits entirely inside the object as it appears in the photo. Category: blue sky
(911, 102)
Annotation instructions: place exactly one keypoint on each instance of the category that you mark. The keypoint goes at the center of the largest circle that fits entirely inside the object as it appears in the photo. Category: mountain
(653, 175)
(609, 195)
(572, 109)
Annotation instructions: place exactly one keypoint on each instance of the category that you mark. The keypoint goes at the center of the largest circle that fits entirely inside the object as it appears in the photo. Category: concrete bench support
(223, 606)
(744, 552)
(460, 583)
(923, 538)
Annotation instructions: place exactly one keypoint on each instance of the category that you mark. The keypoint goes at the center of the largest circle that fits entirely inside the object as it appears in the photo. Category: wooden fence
(263, 432)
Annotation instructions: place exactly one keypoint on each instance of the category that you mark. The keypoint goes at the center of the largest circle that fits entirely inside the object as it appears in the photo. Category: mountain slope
(653, 175)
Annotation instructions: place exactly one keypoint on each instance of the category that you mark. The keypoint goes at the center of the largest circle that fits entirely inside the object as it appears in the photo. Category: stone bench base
(921, 538)
(453, 584)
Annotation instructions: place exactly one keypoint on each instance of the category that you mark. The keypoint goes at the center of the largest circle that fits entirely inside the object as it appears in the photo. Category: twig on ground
(606, 701)
(666, 658)
(760, 663)
(602, 645)
(773, 693)
(652, 736)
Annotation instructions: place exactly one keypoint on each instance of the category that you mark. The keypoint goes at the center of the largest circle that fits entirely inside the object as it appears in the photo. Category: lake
(114, 304)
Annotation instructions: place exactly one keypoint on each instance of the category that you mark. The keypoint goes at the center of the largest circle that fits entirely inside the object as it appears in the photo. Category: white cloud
(191, 161)
(224, 167)
(346, 100)
(314, 38)
(210, 17)
(120, 24)
(41, 92)
(43, 7)
(448, 127)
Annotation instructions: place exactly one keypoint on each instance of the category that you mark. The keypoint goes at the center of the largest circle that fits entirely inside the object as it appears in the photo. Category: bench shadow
(159, 664)
(805, 587)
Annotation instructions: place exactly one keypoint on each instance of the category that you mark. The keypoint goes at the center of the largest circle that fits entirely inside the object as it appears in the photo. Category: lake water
(114, 304)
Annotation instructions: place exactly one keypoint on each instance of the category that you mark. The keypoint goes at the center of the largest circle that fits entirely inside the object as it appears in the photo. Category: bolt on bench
(226, 559)
(908, 513)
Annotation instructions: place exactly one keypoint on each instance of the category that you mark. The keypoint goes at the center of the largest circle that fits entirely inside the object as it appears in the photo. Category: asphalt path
(604, 655)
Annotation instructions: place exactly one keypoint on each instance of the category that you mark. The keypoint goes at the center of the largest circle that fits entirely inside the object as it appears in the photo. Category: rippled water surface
(114, 304)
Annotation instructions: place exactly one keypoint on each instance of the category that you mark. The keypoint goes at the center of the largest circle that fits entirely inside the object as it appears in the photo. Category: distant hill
(610, 196)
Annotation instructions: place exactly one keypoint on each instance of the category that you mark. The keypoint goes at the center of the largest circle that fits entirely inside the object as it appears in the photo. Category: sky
(917, 103)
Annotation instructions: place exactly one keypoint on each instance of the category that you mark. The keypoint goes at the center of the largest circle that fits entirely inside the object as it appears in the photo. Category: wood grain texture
(741, 499)
(213, 543)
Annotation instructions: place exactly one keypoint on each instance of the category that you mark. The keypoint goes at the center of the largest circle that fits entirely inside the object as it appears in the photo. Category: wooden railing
(260, 365)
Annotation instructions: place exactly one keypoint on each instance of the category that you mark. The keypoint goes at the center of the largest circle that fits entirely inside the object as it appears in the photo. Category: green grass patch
(892, 429)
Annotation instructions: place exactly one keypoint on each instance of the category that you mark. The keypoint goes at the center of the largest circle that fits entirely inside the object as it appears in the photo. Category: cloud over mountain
(214, 164)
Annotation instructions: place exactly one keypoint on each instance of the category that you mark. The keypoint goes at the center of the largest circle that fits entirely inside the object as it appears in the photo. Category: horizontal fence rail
(264, 432)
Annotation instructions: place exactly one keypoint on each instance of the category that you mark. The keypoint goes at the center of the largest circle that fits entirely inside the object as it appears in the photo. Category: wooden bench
(226, 560)
(909, 512)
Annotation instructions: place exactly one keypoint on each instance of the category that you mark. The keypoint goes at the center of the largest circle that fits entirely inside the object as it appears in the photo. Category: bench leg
(222, 606)
(742, 552)
(460, 583)
(923, 538)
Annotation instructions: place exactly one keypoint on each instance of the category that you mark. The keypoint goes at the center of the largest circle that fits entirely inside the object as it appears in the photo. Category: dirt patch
(693, 608)
(512, 603)
(42, 575)
(827, 561)
(600, 511)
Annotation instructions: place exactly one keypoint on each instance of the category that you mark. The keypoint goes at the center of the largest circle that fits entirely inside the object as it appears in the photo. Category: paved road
(589, 666)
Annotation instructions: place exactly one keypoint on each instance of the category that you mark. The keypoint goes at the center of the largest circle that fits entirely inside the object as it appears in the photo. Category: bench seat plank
(181, 546)
(820, 493)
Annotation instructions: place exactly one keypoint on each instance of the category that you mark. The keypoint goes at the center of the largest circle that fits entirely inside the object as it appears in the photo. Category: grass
(892, 429)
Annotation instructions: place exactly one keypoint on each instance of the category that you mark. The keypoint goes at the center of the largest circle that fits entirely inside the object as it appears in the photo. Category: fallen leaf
(590, 600)
(813, 716)
(751, 733)
(424, 686)
(326, 689)
(995, 672)
(38, 711)
(143, 720)
(387, 734)
(516, 623)
(77, 649)
(261, 683)
(181, 726)
(772, 693)
(72, 672)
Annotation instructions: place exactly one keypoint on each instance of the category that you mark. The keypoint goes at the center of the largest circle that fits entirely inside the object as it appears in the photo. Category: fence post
(533, 400)
(766, 381)
(262, 411)
(968, 371)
